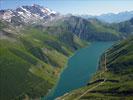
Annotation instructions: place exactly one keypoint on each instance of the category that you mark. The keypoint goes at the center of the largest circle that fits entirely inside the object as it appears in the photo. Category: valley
(47, 55)
(113, 79)
(77, 72)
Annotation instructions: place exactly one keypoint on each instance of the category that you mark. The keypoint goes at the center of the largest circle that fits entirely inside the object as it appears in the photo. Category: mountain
(28, 14)
(31, 40)
(46, 19)
(114, 78)
(52, 22)
(28, 60)
(90, 30)
(125, 28)
(111, 17)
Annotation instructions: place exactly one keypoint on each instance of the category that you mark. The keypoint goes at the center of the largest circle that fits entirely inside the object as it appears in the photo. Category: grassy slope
(28, 61)
(119, 77)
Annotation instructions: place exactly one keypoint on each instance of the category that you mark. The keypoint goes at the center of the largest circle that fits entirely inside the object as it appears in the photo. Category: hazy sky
(91, 7)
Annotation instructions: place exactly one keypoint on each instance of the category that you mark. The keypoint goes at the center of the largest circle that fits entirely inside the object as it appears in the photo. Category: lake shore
(68, 77)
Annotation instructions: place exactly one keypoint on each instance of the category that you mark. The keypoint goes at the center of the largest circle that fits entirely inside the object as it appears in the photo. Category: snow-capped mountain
(28, 14)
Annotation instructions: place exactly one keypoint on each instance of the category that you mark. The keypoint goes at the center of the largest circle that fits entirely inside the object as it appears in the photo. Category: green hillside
(31, 60)
(114, 78)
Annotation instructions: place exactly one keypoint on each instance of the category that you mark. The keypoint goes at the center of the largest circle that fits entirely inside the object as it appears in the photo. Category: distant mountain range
(49, 20)
(111, 17)
(36, 13)
(90, 29)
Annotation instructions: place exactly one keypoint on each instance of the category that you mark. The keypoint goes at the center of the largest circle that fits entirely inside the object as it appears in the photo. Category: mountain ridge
(28, 14)
(112, 17)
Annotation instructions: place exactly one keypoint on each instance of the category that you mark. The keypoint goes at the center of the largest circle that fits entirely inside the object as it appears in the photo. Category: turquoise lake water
(81, 66)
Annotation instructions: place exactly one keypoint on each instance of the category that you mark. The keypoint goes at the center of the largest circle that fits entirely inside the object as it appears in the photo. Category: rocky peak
(28, 13)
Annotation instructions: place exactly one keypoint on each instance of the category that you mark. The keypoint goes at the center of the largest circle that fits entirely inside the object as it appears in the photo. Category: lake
(80, 68)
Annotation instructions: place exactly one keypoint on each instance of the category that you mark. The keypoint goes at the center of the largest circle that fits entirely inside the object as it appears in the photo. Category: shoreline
(62, 70)
(53, 89)
(67, 93)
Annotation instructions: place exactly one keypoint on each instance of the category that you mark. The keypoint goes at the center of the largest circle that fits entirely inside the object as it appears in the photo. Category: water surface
(79, 69)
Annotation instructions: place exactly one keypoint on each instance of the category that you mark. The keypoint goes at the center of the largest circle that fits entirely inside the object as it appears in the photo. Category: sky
(80, 7)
